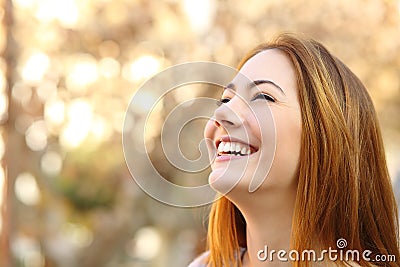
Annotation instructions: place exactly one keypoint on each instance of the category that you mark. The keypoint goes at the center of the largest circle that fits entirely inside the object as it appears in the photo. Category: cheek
(263, 129)
(288, 141)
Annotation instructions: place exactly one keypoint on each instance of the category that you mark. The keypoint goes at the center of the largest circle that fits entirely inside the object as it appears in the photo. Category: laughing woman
(327, 189)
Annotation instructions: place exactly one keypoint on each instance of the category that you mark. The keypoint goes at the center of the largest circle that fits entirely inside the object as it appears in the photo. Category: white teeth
(227, 147)
(237, 148)
(234, 148)
(221, 147)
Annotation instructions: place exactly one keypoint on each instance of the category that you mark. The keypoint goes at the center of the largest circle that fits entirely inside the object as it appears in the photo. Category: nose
(230, 115)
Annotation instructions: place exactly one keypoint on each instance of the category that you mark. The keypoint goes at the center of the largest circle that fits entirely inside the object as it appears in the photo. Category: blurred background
(68, 70)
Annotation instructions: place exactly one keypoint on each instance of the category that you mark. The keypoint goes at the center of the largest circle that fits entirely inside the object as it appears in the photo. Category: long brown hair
(344, 189)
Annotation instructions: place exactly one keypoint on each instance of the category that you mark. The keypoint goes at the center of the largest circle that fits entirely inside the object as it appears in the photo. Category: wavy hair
(344, 189)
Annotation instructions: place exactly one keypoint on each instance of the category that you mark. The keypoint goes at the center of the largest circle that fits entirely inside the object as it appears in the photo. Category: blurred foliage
(82, 168)
(67, 73)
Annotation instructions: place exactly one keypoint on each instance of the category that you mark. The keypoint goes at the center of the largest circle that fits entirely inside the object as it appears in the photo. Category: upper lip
(227, 138)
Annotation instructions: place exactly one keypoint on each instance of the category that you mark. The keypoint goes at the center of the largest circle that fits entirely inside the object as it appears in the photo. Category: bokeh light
(65, 12)
(146, 243)
(54, 112)
(35, 67)
(109, 67)
(3, 104)
(83, 71)
(142, 68)
(36, 136)
(46, 90)
(51, 163)
(26, 189)
(200, 14)
(79, 115)
(28, 251)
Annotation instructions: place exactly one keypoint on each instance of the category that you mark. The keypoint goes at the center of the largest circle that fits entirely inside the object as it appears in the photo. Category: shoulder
(200, 261)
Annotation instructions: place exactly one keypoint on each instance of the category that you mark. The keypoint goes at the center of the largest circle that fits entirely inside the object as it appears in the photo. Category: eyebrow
(254, 84)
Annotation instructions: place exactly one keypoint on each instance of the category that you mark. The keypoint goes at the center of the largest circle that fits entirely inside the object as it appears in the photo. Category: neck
(268, 217)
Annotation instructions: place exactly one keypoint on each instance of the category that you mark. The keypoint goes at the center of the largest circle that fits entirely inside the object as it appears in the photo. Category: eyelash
(265, 97)
(259, 96)
(222, 101)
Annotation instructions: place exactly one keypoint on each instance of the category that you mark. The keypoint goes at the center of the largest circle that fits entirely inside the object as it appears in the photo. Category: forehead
(272, 64)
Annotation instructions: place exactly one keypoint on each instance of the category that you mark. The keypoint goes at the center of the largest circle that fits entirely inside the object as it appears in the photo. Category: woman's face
(255, 134)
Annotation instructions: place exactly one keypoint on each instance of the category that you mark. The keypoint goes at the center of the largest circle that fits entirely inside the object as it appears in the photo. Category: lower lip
(223, 158)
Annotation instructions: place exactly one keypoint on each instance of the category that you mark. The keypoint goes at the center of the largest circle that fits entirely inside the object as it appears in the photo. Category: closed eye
(223, 101)
(264, 97)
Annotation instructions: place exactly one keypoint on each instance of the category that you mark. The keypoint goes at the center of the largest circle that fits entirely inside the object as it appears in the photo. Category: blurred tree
(6, 200)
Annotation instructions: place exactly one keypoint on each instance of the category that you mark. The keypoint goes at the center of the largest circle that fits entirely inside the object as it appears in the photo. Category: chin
(225, 181)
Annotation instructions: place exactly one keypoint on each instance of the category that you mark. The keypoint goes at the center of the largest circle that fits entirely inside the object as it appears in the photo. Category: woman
(328, 187)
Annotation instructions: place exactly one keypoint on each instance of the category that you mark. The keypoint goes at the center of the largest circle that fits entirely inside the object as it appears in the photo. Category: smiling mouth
(235, 149)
